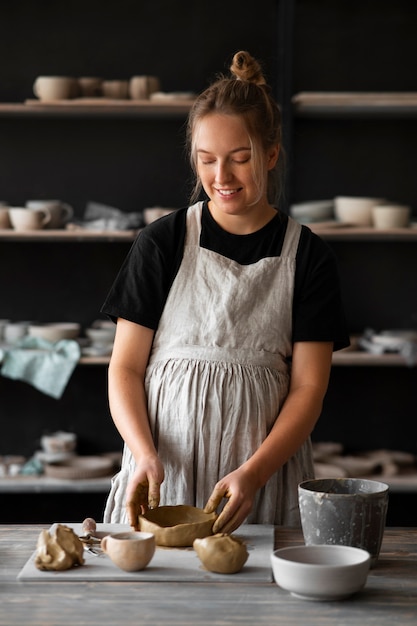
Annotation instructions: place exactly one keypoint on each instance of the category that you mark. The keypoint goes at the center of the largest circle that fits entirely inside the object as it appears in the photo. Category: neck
(243, 224)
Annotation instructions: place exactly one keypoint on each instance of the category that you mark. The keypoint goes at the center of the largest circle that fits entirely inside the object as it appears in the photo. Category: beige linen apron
(218, 376)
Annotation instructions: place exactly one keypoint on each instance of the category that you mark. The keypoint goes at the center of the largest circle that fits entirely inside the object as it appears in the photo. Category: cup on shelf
(60, 212)
(387, 216)
(50, 88)
(115, 89)
(4, 217)
(14, 331)
(24, 219)
(141, 87)
(355, 210)
(3, 324)
(90, 86)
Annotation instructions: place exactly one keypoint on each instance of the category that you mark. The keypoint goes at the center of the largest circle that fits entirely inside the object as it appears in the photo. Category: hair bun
(245, 67)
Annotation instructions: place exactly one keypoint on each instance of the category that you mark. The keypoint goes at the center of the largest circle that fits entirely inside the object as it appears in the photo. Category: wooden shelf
(338, 232)
(78, 234)
(334, 232)
(99, 108)
(366, 359)
(355, 104)
(43, 484)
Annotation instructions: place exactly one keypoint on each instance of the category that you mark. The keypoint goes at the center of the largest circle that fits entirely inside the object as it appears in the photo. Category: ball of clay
(221, 553)
(60, 550)
(89, 526)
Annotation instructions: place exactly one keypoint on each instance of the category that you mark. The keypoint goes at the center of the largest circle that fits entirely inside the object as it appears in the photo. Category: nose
(223, 172)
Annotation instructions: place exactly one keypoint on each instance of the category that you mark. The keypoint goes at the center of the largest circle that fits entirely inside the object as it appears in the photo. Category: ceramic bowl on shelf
(101, 336)
(355, 210)
(55, 331)
(80, 467)
(59, 442)
(314, 211)
(323, 573)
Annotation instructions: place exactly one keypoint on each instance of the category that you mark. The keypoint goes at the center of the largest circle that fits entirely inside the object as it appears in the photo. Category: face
(225, 168)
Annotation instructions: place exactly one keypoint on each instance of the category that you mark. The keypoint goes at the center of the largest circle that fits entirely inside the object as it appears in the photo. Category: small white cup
(23, 219)
(55, 87)
(4, 217)
(387, 216)
(115, 89)
(13, 331)
(60, 212)
(141, 87)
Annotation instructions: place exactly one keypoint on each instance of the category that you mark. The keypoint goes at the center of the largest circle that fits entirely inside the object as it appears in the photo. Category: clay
(89, 526)
(221, 553)
(131, 551)
(178, 525)
(59, 551)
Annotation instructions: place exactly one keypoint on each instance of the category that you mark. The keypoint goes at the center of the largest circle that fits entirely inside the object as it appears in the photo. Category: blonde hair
(246, 94)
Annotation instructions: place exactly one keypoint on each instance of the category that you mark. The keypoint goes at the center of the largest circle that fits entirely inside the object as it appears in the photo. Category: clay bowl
(321, 572)
(177, 526)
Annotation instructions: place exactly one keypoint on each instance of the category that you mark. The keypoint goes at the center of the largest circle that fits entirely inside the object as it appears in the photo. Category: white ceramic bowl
(101, 336)
(391, 216)
(55, 331)
(314, 211)
(59, 442)
(321, 572)
(355, 211)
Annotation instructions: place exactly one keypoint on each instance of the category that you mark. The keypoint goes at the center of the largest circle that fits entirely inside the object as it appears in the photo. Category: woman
(227, 315)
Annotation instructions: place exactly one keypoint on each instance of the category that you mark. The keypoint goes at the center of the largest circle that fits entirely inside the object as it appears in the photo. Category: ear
(273, 155)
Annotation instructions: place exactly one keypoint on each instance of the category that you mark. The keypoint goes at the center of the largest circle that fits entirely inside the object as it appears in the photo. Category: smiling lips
(227, 192)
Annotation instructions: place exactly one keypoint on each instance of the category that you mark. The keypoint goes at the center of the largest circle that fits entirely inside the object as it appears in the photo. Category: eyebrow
(242, 149)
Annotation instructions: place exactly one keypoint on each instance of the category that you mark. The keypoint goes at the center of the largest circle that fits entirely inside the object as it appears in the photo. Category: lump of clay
(177, 525)
(60, 550)
(221, 553)
(89, 526)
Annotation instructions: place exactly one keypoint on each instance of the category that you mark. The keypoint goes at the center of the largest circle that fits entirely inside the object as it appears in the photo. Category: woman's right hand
(143, 489)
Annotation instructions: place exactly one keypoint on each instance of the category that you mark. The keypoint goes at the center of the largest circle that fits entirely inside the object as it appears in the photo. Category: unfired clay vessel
(178, 525)
(59, 551)
(131, 551)
(221, 553)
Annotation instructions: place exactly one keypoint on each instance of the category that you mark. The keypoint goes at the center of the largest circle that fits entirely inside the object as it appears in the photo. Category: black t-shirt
(141, 288)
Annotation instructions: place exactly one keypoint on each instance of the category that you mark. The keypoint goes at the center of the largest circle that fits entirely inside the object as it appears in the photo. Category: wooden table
(389, 598)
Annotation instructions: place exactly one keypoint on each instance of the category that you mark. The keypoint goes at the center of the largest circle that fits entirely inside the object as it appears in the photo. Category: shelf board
(78, 234)
(355, 104)
(338, 232)
(366, 359)
(94, 360)
(97, 107)
(334, 232)
(44, 484)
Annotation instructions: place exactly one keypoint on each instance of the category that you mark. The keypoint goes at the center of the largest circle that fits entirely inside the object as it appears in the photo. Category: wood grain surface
(389, 598)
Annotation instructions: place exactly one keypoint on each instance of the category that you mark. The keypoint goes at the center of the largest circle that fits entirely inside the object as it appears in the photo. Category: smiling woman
(227, 314)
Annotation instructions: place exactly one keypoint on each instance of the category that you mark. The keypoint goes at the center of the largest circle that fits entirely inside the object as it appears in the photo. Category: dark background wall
(129, 164)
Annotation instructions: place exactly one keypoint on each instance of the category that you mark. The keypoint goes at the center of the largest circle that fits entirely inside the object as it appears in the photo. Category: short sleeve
(142, 284)
(317, 311)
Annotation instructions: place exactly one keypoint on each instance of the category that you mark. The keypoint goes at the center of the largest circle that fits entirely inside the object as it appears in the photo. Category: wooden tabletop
(389, 598)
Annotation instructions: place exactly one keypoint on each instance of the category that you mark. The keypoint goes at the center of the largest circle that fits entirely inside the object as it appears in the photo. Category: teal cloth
(45, 365)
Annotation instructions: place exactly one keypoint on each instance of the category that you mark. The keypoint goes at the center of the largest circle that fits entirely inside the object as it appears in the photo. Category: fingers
(216, 497)
(227, 527)
(145, 496)
(153, 495)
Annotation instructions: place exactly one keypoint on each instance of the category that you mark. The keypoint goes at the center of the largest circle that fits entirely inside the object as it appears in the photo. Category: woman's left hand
(239, 487)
